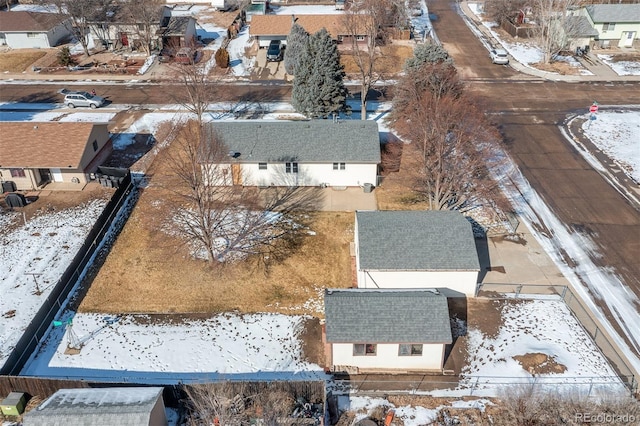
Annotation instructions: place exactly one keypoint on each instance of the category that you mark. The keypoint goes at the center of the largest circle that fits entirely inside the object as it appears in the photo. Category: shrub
(65, 58)
(222, 58)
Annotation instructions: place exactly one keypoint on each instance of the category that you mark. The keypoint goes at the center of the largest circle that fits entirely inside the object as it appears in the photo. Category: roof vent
(35, 127)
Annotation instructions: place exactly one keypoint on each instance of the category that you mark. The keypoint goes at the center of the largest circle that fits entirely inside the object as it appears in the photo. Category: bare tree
(198, 91)
(214, 212)
(232, 404)
(77, 15)
(365, 20)
(449, 136)
(504, 10)
(144, 17)
(555, 25)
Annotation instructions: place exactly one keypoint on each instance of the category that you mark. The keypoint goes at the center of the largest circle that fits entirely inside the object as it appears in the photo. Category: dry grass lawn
(18, 61)
(391, 62)
(151, 271)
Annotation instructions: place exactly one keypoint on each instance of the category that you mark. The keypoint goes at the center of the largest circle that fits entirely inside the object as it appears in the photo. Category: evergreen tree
(318, 89)
(430, 53)
(296, 41)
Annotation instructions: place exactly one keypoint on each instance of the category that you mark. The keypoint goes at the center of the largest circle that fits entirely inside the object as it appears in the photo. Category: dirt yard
(19, 60)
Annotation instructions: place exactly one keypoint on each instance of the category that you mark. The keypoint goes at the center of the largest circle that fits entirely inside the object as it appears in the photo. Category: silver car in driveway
(82, 99)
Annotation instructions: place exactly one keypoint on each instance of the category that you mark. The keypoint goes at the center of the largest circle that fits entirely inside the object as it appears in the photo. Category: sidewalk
(601, 72)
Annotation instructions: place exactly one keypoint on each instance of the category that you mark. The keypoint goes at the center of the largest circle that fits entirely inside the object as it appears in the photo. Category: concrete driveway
(264, 70)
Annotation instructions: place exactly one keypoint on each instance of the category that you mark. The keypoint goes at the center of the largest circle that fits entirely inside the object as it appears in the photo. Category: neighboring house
(416, 249)
(27, 30)
(34, 154)
(386, 330)
(116, 29)
(133, 406)
(617, 24)
(579, 32)
(277, 27)
(297, 153)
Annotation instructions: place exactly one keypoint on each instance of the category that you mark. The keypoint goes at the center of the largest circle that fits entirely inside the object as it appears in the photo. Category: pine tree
(318, 89)
(428, 53)
(296, 41)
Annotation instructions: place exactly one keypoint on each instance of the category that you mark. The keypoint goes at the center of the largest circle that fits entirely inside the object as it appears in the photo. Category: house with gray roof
(618, 25)
(29, 30)
(416, 249)
(386, 330)
(134, 406)
(293, 153)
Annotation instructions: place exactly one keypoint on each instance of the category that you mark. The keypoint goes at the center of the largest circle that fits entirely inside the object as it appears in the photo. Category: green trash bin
(13, 405)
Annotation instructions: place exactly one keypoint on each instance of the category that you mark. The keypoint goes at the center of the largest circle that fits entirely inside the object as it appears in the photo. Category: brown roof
(43, 145)
(28, 21)
(280, 25)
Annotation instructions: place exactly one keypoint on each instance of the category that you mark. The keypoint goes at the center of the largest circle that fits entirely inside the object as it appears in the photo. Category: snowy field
(536, 327)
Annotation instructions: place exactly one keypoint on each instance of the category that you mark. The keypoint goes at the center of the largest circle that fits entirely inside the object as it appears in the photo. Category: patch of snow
(616, 133)
(44, 246)
(147, 64)
(305, 10)
(621, 67)
(238, 62)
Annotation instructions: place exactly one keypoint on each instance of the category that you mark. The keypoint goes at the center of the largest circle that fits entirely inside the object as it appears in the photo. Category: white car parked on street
(499, 56)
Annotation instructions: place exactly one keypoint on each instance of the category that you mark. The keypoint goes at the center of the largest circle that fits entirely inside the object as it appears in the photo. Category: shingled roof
(280, 25)
(108, 406)
(43, 145)
(386, 316)
(614, 13)
(416, 241)
(21, 21)
(315, 141)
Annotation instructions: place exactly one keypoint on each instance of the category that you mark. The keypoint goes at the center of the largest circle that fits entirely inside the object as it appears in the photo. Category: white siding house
(364, 332)
(28, 30)
(298, 153)
(618, 25)
(416, 249)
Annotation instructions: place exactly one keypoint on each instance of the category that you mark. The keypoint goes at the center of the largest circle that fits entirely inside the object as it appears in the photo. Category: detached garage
(28, 30)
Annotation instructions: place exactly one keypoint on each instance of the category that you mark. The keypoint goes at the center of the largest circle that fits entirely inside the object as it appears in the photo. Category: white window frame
(410, 349)
(360, 38)
(263, 166)
(32, 35)
(608, 26)
(291, 167)
(339, 166)
(365, 349)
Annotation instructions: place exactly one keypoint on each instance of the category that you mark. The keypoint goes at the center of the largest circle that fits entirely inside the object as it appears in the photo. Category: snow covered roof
(614, 12)
(372, 316)
(415, 240)
(315, 141)
(106, 406)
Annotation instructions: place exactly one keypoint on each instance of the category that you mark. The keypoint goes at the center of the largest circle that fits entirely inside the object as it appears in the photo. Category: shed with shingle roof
(133, 406)
(35, 153)
(416, 249)
(391, 329)
(299, 153)
(27, 30)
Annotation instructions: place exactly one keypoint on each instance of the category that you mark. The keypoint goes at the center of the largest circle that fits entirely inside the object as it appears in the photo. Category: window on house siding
(608, 26)
(262, 166)
(410, 350)
(291, 167)
(32, 35)
(364, 349)
(339, 166)
(95, 146)
(360, 38)
(17, 172)
(340, 38)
